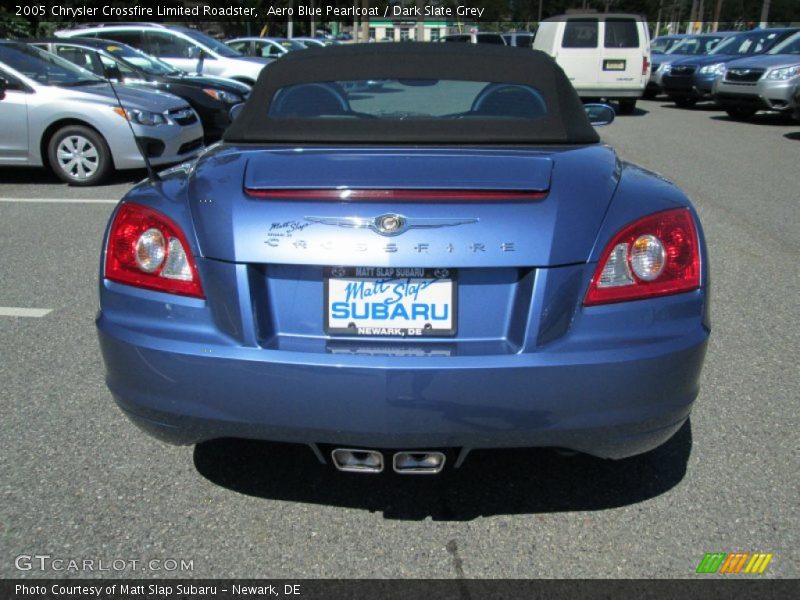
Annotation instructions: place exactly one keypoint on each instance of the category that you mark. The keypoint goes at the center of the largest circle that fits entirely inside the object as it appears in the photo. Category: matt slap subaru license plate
(390, 302)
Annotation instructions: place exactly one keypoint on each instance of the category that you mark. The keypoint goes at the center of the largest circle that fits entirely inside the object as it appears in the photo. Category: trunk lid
(558, 229)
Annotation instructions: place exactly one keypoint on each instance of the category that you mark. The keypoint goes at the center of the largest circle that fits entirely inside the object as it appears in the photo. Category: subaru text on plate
(394, 278)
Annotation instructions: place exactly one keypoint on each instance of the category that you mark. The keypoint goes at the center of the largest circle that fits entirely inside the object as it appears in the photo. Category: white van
(604, 55)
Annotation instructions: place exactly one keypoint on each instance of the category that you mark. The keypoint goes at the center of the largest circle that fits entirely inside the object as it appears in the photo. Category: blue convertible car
(396, 276)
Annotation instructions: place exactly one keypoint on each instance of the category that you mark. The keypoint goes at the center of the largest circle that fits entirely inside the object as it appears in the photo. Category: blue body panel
(528, 366)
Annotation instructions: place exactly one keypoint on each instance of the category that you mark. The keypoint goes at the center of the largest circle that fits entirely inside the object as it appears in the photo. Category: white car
(265, 47)
(53, 113)
(188, 49)
(603, 55)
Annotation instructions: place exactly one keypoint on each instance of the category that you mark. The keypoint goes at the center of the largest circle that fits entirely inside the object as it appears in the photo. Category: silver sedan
(55, 114)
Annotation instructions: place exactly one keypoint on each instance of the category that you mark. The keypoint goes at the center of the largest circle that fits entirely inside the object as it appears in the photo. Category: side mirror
(235, 111)
(194, 52)
(599, 114)
(3, 88)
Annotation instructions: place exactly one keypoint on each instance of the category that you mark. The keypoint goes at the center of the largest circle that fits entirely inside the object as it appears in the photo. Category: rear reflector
(350, 195)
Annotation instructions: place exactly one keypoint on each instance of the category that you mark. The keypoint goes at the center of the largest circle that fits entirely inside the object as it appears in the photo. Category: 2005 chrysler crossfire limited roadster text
(403, 252)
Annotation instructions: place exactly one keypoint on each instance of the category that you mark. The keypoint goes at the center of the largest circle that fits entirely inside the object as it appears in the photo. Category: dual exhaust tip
(412, 462)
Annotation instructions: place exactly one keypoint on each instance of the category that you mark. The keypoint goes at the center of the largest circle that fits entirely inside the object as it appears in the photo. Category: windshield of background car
(292, 45)
(209, 42)
(43, 67)
(695, 45)
(407, 99)
(747, 43)
(790, 45)
(146, 63)
(663, 44)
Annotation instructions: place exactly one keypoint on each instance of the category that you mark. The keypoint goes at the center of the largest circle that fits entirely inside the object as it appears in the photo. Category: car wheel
(740, 113)
(79, 155)
(684, 102)
(627, 106)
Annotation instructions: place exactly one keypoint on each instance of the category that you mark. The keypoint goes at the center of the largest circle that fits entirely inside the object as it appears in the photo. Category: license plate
(390, 302)
(613, 65)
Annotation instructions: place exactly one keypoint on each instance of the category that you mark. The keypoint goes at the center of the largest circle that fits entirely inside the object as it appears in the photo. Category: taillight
(654, 256)
(146, 249)
(645, 65)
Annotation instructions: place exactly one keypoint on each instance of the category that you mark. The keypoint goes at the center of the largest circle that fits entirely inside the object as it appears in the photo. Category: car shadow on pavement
(794, 135)
(637, 112)
(41, 176)
(774, 119)
(495, 482)
(699, 107)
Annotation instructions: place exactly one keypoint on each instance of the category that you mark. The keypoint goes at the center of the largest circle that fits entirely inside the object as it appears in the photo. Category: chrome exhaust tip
(357, 461)
(418, 462)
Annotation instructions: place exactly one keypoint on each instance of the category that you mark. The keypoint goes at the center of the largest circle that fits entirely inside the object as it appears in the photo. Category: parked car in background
(211, 97)
(796, 102)
(663, 43)
(604, 55)
(187, 49)
(519, 39)
(691, 79)
(764, 82)
(313, 42)
(688, 45)
(273, 47)
(481, 37)
(397, 279)
(58, 115)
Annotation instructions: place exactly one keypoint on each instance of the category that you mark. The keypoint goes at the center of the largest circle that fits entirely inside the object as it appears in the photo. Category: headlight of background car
(784, 73)
(664, 67)
(715, 69)
(223, 96)
(142, 117)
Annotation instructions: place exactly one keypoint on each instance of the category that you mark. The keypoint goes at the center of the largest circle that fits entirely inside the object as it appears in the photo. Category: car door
(14, 122)
(622, 53)
(578, 53)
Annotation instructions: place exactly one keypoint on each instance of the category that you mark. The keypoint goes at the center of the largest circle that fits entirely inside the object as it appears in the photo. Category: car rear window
(413, 93)
(400, 99)
(621, 33)
(490, 38)
(456, 38)
(580, 33)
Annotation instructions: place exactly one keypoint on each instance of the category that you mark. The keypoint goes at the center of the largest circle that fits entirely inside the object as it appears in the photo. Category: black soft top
(564, 123)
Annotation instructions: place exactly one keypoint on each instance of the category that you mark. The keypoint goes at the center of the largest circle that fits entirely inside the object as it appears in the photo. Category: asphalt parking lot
(79, 482)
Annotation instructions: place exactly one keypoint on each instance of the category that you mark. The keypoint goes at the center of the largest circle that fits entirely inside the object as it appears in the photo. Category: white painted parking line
(16, 311)
(60, 200)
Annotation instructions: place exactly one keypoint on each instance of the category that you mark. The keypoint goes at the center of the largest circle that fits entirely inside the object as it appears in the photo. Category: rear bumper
(613, 401)
(611, 93)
